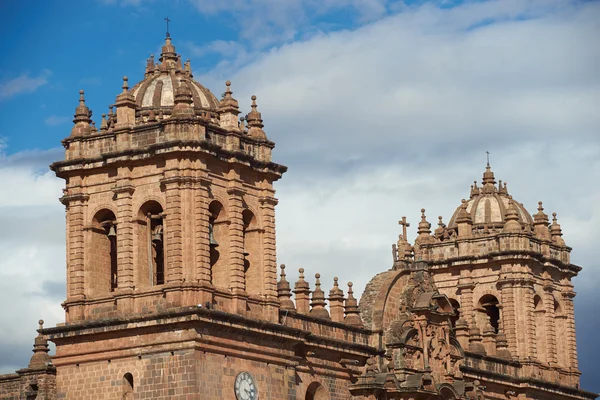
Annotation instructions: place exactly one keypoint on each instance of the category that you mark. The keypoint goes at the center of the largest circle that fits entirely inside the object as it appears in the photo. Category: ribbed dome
(158, 88)
(488, 205)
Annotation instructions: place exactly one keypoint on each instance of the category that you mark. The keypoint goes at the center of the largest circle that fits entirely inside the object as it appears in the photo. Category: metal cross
(404, 226)
(168, 20)
(488, 158)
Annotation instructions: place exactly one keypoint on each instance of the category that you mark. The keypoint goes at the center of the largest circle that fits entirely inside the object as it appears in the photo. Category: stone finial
(474, 190)
(103, 123)
(168, 55)
(336, 302)
(179, 66)
(82, 118)
(183, 101)
(540, 223)
(502, 346)
(424, 226)
(125, 86)
(284, 293)
(511, 219)
(351, 309)
(441, 231)
(488, 181)
(318, 300)
(302, 292)
(556, 231)
(463, 221)
(40, 358)
(255, 122)
(187, 68)
(475, 340)
(149, 65)
(229, 110)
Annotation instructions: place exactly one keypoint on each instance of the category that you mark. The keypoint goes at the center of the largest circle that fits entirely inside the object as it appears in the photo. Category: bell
(211, 238)
(112, 233)
(157, 237)
(212, 241)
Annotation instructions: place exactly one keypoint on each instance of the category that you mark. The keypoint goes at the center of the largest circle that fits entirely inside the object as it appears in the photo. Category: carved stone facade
(172, 288)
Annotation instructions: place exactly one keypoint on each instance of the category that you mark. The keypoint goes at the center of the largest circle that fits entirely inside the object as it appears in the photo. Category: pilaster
(123, 192)
(236, 237)
(76, 204)
(508, 318)
(173, 228)
(201, 202)
(465, 287)
(570, 323)
(267, 205)
(549, 322)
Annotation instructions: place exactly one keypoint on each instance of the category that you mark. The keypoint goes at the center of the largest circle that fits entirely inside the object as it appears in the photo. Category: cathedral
(174, 292)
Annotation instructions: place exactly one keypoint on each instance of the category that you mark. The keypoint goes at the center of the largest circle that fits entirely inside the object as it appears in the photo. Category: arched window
(127, 386)
(316, 391)
(488, 305)
(456, 306)
(218, 243)
(102, 255)
(540, 328)
(252, 251)
(151, 245)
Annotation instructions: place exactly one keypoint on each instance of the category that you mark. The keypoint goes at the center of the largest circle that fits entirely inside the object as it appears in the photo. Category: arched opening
(151, 244)
(447, 394)
(488, 305)
(127, 386)
(218, 244)
(102, 255)
(252, 250)
(316, 391)
(456, 306)
(540, 328)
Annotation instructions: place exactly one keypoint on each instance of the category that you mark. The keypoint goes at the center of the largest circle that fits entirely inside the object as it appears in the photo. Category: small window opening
(490, 304)
(127, 386)
(456, 306)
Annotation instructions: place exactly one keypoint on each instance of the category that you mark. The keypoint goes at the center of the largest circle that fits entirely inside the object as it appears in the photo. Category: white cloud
(23, 84)
(32, 243)
(266, 22)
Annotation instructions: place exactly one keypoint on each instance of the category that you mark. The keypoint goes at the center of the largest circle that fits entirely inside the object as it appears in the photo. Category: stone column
(123, 199)
(75, 211)
(549, 322)
(508, 318)
(236, 239)
(523, 316)
(201, 202)
(465, 287)
(267, 207)
(571, 346)
(236, 242)
(173, 229)
(269, 253)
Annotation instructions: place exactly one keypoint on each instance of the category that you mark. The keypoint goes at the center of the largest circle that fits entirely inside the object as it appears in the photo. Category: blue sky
(375, 105)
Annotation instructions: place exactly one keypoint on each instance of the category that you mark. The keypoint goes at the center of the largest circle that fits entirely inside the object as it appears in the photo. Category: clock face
(245, 387)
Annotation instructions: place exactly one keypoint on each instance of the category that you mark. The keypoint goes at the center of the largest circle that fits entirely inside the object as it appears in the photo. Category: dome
(488, 204)
(161, 81)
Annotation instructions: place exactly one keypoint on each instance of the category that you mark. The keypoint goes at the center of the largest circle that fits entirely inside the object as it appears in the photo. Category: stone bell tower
(170, 202)
(509, 276)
